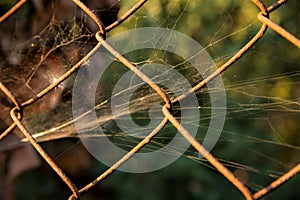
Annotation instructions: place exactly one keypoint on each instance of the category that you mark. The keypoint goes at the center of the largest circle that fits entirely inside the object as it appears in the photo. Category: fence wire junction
(17, 111)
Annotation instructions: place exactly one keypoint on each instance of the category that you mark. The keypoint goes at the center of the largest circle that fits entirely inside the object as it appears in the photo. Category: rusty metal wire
(16, 112)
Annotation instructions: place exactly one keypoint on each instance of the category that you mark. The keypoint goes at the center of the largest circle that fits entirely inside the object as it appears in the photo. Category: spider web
(260, 139)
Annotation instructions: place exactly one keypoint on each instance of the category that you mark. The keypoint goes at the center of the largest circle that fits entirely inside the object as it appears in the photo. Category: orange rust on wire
(126, 15)
(208, 156)
(43, 153)
(126, 157)
(12, 10)
(18, 107)
(285, 34)
(11, 97)
(262, 7)
(7, 131)
(278, 182)
(91, 15)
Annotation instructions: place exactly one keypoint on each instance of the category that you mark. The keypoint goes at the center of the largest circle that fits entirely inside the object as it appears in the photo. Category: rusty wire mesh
(20, 104)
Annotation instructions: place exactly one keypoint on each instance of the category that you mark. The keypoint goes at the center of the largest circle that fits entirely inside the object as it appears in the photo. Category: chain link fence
(98, 37)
